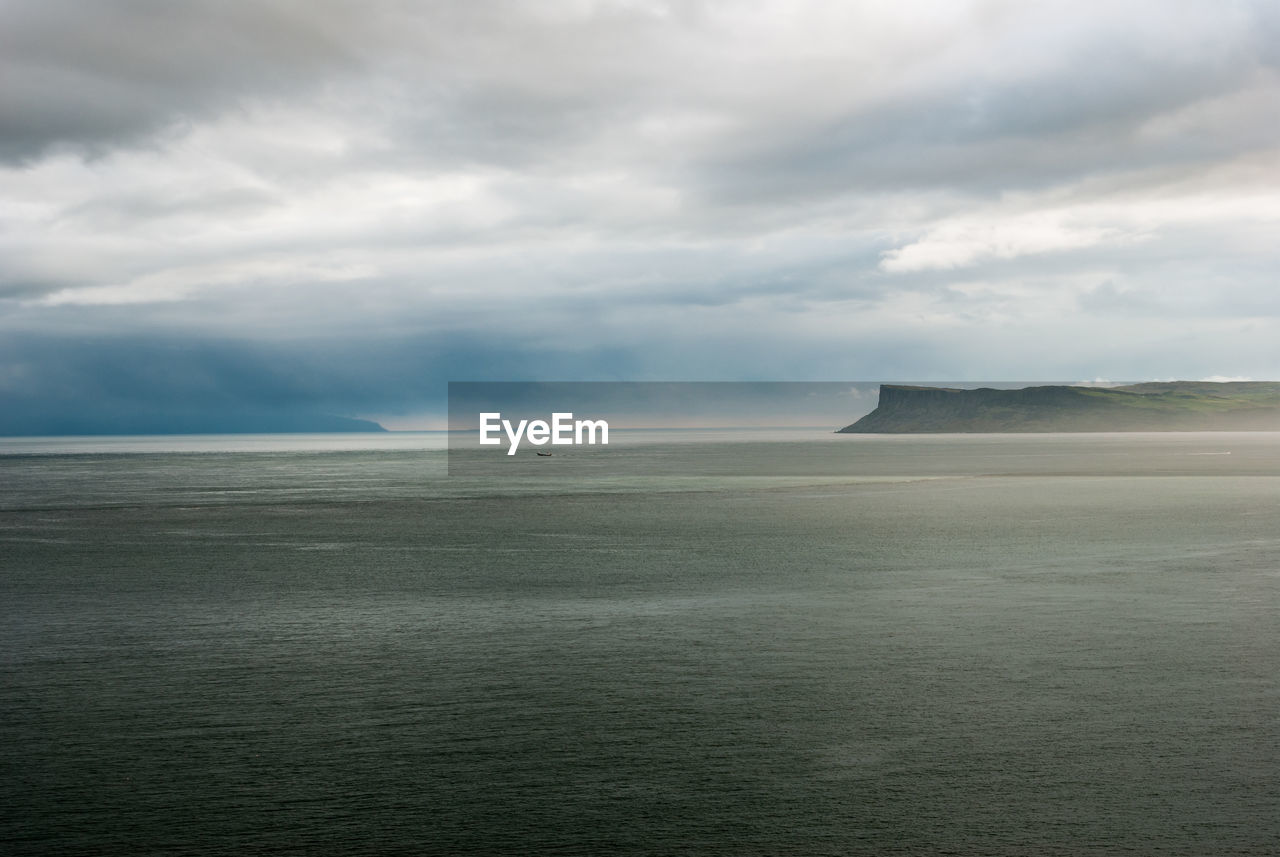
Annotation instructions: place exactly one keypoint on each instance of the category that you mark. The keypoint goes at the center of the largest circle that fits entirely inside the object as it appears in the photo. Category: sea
(731, 642)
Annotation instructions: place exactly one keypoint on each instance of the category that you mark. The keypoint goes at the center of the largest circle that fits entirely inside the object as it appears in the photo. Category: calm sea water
(725, 643)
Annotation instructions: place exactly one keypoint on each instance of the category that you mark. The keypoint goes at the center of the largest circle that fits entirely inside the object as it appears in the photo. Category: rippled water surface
(779, 643)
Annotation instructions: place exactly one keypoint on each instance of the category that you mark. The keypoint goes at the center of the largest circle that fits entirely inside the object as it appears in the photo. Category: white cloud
(960, 243)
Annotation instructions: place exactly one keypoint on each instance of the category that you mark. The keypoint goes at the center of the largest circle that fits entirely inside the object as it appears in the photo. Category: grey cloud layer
(97, 75)
(921, 187)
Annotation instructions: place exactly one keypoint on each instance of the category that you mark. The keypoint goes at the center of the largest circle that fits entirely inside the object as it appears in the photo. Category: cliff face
(1172, 406)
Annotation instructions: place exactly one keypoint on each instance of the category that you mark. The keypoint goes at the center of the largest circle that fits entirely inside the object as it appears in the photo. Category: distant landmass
(66, 420)
(1155, 406)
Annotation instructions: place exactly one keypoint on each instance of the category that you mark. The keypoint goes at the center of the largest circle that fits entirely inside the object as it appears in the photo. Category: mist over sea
(725, 643)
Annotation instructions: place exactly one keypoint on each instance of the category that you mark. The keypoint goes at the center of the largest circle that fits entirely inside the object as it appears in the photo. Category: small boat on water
(546, 454)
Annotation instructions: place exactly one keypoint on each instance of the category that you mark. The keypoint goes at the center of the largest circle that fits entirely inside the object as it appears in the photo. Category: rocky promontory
(1155, 406)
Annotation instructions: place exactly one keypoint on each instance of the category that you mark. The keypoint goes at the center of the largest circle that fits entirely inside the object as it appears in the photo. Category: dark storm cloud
(60, 383)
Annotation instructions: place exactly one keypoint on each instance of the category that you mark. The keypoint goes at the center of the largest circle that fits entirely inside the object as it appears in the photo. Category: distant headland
(1155, 406)
(62, 421)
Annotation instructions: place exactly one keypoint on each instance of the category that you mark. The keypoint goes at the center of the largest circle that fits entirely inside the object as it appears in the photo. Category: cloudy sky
(338, 206)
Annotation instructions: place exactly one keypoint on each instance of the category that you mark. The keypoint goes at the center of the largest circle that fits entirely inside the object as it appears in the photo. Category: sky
(320, 206)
